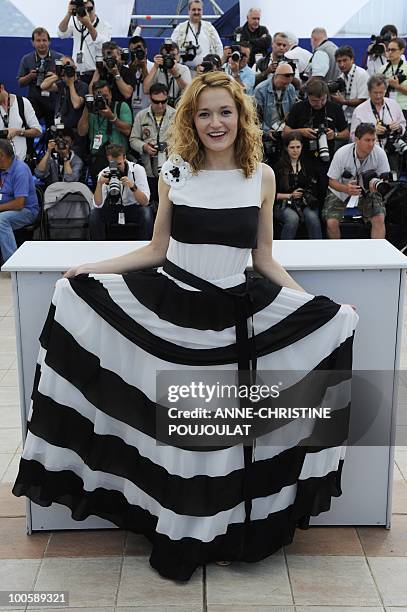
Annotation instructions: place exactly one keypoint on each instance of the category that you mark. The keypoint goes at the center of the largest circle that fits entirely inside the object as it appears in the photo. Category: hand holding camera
(12, 132)
(309, 133)
(150, 148)
(297, 194)
(381, 129)
(394, 126)
(104, 178)
(126, 182)
(51, 146)
(353, 189)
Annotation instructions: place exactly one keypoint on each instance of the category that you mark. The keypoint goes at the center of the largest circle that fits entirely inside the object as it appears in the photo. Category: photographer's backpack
(66, 211)
(31, 157)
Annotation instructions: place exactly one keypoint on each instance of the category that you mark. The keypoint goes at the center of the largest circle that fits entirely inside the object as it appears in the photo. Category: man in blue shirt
(238, 67)
(18, 198)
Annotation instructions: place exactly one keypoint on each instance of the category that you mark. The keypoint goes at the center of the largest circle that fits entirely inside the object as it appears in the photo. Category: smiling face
(216, 119)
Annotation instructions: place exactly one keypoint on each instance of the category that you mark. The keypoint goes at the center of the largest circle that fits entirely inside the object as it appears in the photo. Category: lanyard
(82, 29)
(376, 114)
(390, 65)
(193, 33)
(352, 76)
(171, 86)
(6, 117)
(139, 81)
(158, 125)
(362, 163)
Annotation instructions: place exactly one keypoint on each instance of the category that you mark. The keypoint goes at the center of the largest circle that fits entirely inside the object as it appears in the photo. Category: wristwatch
(22, 132)
(113, 119)
(134, 188)
(117, 77)
(177, 76)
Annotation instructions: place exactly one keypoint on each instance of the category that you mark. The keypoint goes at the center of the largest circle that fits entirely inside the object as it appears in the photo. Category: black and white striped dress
(91, 433)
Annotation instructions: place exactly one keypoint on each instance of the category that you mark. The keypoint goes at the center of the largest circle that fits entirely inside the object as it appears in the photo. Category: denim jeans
(9, 221)
(290, 220)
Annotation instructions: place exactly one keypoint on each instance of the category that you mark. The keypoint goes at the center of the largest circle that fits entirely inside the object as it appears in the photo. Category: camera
(379, 44)
(100, 103)
(79, 9)
(382, 184)
(336, 86)
(160, 147)
(208, 66)
(114, 186)
(137, 54)
(168, 60)
(3, 134)
(395, 143)
(125, 56)
(235, 55)
(110, 61)
(211, 62)
(401, 77)
(320, 144)
(41, 71)
(100, 63)
(64, 70)
(189, 52)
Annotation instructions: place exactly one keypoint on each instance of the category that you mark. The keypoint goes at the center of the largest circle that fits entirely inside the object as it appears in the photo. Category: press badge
(122, 220)
(45, 94)
(136, 102)
(97, 142)
(79, 57)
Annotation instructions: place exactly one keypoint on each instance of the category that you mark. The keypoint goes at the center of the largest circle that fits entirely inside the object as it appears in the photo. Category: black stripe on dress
(200, 495)
(306, 319)
(233, 227)
(242, 542)
(193, 309)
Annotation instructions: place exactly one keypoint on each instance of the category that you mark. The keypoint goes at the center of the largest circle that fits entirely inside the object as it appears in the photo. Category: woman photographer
(296, 192)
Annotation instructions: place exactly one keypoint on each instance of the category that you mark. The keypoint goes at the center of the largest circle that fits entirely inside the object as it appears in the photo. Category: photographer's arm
(50, 83)
(77, 101)
(64, 25)
(83, 123)
(150, 256)
(28, 78)
(125, 88)
(150, 78)
(98, 195)
(263, 261)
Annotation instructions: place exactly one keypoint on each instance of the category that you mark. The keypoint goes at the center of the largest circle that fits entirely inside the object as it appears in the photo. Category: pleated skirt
(91, 442)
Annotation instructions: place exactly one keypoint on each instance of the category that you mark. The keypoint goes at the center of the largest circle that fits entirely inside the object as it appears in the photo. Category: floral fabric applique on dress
(175, 171)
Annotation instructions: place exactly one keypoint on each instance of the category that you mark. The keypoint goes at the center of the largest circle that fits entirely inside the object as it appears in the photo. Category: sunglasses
(390, 49)
(287, 76)
(159, 101)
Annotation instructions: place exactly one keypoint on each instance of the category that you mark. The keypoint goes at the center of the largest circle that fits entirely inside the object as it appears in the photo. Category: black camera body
(235, 55)
(110, 61)
(336, 86)
(80, 8)
(3, 134)
(320, 144)
(382, 184)
(379, 46)
(114, 186)
(100, 103)
(160, 147)
(136, 54)
(168, 60)
(41, 70)
(189, 52)
(62, 70)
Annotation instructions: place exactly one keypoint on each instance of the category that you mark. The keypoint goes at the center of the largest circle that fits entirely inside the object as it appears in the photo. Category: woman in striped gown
(182, 303)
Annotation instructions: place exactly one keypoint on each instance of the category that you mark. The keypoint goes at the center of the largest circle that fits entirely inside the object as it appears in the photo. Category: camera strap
(195, 35)
(351, 78)
(6, 117)
(361, 164)
(158, 125)
(170, 85)
(82, 29)
(376, 114)
(390, 65)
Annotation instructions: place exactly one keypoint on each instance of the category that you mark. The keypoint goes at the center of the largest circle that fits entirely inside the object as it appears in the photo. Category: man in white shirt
(355, 79)
(301, 57)
(13, 123)
(385, 114)
(198, 35)
(132, 203)
(346, 182)
(323, 62)
(89, 33)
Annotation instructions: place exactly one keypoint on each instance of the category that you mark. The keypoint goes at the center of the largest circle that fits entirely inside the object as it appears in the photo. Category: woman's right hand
(298, 193)
(82, 269)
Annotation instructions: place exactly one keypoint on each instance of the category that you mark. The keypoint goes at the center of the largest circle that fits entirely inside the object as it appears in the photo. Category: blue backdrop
(12, 50)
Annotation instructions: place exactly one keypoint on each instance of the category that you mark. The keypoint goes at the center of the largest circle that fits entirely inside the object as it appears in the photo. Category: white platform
(366, 273)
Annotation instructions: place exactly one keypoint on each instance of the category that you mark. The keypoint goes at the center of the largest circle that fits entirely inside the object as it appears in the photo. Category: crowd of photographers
(333, 131)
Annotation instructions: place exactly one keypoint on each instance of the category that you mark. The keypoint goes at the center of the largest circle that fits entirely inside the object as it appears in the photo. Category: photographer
(111, 69)
(237, 66)
(18, 198)
(396, 71)
(149, 134)
(275, 98)
(268, 65)
(18, 122)
(88, 32)
(210, 63)
(33, 70)
(351, 87)
(140, 66)
(376, 51)
(300, 56)
(257, 35)
(320, 122)
(106, 122)
(122, 196)
(195, 37)
(296, 197)
(70, 92)
(323, 62)
(169, 72)
(346, 181)
(382, 112)
(60, 164)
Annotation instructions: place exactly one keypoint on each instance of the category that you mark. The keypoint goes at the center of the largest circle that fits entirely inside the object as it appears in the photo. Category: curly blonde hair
(183, 137)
